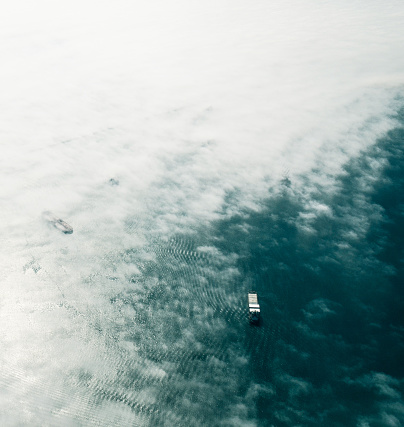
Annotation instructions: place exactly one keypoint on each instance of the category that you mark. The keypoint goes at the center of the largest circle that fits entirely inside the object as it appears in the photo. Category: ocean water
(200, 150)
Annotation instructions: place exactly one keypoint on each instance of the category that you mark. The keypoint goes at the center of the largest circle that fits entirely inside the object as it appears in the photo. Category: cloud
(389, 409)
(320, 308)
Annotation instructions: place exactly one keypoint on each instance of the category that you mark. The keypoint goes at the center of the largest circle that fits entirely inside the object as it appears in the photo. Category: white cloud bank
(226, 93)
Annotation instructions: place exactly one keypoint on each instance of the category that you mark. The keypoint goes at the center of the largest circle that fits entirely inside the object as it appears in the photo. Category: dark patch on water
(113, 181)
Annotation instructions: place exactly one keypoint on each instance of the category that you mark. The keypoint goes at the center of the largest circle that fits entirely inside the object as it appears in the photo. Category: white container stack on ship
(254, 311)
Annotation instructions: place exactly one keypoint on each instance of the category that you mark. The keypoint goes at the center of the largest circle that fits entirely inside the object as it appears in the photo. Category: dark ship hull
(58, 223)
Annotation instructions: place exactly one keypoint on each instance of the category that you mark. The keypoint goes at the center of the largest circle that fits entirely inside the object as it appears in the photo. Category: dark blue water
(330, 347)
(331, 343)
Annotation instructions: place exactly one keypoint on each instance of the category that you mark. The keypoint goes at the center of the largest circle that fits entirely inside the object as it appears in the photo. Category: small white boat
(58, 223)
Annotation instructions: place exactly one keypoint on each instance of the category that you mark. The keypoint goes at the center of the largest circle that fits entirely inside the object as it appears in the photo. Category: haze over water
(200, 150)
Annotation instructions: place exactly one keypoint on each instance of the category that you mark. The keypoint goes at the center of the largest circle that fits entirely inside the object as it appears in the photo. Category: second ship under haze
(58, 223)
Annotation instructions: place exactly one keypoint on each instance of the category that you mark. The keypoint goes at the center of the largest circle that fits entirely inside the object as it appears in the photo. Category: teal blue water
(330, 346)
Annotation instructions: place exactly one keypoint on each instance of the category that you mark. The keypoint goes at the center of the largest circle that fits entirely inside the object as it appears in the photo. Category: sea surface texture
(199, 150)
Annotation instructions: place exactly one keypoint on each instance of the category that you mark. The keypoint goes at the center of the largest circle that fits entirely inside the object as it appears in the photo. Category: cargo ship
(253, 307)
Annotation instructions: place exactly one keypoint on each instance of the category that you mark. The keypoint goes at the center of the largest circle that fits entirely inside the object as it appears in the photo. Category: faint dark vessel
(253, 307)
(58, 223)
(113, 181)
